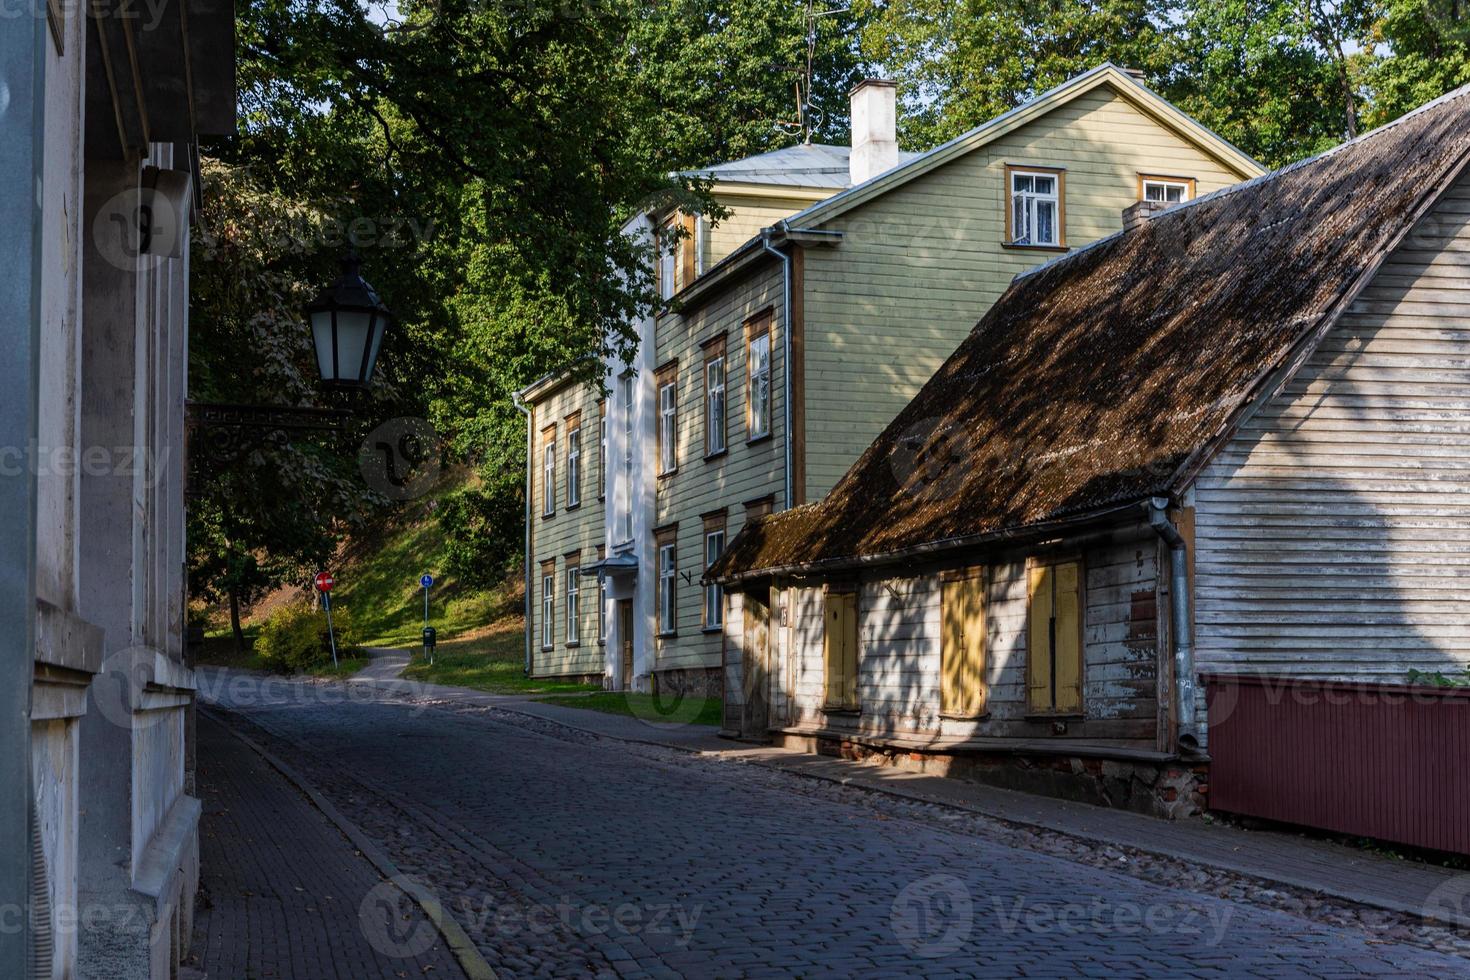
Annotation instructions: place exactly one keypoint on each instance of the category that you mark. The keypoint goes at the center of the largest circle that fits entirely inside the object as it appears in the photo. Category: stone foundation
(698, 682)
(1171, 789)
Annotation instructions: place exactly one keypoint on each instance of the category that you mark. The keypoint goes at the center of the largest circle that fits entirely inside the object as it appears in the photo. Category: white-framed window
(548, 609)
(626, 386)
(548, 476)
(699, 254)
(714, 605)
(1036, 207)
(1164, 190)
(668, 262)
(668, 426)
(601, 448)
(574, 466)
(574, 605)
(668, 579)
(714, 405)
(759, 394)
(601, 607)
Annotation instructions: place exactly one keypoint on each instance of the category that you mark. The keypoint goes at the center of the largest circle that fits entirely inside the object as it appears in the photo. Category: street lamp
(347, 326)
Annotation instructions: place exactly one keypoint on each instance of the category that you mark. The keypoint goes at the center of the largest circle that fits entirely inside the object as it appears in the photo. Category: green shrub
(294, 637)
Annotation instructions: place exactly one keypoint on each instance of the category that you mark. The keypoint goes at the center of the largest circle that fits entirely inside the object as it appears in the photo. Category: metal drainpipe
(786, 354)
(1184, 696)
(516, 398)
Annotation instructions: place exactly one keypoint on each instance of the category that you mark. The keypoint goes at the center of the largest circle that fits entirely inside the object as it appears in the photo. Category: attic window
(1165, 190)
(1034, 217)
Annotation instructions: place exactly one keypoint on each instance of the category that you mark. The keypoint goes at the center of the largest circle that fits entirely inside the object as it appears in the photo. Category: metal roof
(806, 165)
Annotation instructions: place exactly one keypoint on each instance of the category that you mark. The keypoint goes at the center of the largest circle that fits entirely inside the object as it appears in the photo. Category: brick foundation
(1161, 789)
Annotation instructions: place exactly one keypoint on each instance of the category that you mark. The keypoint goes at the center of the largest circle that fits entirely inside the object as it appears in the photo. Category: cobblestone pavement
(284, 894)
(564, 854)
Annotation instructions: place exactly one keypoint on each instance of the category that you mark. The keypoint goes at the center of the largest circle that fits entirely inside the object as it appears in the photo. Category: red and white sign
(325, 581)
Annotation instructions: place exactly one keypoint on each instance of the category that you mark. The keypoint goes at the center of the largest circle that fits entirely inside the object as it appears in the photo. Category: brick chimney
(874, 129)
(1135, 215)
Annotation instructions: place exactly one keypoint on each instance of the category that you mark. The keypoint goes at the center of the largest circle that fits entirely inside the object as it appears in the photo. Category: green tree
(1429, 45)
(961, 63)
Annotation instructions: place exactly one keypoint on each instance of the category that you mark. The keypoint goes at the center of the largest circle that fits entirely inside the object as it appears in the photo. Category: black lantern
(347, 326)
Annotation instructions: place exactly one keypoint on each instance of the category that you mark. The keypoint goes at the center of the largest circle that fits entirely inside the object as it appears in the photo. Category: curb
(459, 943)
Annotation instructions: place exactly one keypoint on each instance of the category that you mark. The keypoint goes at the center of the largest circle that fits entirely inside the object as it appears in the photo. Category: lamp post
(348, 321)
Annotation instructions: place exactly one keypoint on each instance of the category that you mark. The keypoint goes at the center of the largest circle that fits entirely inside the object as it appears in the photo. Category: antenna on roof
(809, 115)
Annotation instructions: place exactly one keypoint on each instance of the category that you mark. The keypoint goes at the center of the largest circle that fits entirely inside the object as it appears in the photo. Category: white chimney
(874, 129)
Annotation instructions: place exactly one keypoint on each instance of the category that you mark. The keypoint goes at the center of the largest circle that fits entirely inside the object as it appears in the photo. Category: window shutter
(1038, 647)
(962, 659)
(687, 250)
(832, 648)
(1068, 611)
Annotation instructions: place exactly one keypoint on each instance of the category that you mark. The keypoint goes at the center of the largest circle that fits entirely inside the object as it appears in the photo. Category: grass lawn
(219, 651)
(688, 711)
(489, 659)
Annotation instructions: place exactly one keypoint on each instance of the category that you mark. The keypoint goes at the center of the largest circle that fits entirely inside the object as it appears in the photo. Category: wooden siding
(748, 215)
(900, 638)
(1334, 528)
(919, 266)
(566, 531)
(744, 472)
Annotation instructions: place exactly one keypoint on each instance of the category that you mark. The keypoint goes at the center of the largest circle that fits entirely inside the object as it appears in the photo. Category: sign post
(324, 583)
(430, 635)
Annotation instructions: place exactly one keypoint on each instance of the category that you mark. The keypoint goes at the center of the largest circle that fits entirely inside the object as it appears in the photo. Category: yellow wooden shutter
(687, 250)
(832, 648)
(962, 658)
(1068, 654)
(1038, 646)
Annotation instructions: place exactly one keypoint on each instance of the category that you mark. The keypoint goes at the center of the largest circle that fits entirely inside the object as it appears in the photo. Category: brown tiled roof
(1099, 379)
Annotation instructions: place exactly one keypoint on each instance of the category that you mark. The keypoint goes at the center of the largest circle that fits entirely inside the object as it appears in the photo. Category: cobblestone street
(565, 854)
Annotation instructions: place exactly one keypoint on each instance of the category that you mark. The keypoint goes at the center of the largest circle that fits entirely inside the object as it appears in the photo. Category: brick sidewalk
(284, 893)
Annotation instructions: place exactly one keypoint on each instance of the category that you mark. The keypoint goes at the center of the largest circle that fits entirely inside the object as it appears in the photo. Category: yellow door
(1039, 639)
(963, 689)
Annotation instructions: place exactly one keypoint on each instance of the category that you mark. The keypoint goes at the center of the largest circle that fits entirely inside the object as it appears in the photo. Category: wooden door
(840, 650)
(755, 664)
(625, 641)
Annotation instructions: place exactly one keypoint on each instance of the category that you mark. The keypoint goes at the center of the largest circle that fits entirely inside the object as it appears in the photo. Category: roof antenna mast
(809, 115)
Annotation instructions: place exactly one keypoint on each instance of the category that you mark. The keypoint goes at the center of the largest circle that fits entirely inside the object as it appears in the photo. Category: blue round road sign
(426, 581)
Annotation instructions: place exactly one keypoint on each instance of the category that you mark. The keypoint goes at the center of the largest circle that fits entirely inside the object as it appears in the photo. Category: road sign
(426, 581)
(325, 581)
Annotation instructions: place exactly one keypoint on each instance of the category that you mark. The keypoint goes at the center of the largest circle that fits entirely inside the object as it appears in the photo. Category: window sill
(550, 649)
(572, 644)
(547, 515)
(602, 643)
(717, 454)
(667, 636)
(754, 440)
(713, 629)
(668, 473)
(572, 507)
(1035, 248)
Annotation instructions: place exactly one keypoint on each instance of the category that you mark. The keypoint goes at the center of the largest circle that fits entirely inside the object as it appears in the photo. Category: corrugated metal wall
(1382, 761)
